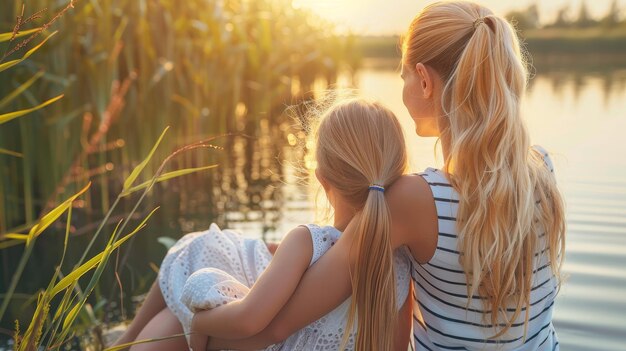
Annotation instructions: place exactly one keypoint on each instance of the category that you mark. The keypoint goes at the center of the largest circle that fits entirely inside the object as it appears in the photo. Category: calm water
(581, 119)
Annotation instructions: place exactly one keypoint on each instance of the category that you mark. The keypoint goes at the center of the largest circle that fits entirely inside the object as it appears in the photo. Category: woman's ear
(426, 80)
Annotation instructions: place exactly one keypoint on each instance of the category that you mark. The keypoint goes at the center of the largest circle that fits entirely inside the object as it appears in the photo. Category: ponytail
(491, 171)
(508, 197)
(373, 280)
(360, 151)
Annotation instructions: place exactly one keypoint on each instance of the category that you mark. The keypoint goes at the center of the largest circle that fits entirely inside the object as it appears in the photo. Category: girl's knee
(164, 324)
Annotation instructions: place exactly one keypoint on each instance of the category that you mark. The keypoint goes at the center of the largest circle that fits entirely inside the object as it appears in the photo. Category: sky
(383, 17)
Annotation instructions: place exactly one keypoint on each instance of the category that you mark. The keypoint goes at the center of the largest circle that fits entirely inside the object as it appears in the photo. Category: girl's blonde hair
(359, 144)
(508, 197)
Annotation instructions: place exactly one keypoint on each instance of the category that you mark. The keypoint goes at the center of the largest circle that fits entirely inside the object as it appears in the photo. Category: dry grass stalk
(118, 93)
(36, 15)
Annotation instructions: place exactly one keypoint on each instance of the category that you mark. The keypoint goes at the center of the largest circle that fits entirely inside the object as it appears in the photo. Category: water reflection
(576, 72)
(572, 72)
(612, 84)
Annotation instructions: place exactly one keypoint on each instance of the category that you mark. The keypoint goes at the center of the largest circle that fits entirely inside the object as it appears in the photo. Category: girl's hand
(272, 247)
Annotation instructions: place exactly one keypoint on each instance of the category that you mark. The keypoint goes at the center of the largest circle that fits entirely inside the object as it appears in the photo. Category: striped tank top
(442, 318)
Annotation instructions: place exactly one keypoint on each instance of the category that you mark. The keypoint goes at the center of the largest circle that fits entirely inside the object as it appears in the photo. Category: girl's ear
(322, 180)
(426, 81)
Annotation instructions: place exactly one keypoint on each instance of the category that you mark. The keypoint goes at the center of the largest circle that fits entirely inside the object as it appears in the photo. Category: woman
(487, 232)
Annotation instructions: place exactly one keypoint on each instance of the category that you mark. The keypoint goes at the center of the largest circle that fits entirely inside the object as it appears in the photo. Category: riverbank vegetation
(220, 72)
(570, 33)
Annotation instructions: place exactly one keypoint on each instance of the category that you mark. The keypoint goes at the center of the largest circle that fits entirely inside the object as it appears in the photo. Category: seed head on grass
(20, 23)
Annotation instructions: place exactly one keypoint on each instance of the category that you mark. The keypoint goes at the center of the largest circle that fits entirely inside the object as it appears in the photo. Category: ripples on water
(591, 309)
(582, 121)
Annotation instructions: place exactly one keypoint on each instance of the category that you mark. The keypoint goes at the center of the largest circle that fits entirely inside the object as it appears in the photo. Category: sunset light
(376, 17)
(256, 174)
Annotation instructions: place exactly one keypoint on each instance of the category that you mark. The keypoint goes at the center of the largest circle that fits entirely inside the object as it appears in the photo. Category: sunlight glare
(384, 17)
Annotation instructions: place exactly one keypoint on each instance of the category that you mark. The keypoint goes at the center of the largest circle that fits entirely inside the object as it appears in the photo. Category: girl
(486, 232)
(360, 152)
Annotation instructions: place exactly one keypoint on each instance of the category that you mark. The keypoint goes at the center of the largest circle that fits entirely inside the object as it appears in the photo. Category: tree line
(530, 18)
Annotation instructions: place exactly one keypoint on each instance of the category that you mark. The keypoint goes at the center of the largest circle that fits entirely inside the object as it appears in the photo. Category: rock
(110, 335)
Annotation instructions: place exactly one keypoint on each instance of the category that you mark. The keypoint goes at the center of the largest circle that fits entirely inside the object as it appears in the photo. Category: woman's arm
(250, 315)
(326, 284)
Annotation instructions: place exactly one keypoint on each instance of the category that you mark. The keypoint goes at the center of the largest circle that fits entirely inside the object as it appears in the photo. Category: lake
(580, 117)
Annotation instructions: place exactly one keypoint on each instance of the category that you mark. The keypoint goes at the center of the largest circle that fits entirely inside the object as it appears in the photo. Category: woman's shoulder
(414, 215)
(410, 189)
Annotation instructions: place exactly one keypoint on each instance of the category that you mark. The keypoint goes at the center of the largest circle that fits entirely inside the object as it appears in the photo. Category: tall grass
(126, 69)
(205, 67)
(53, 326)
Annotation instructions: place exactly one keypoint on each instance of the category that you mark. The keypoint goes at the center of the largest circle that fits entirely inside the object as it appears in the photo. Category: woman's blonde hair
(360, 144)
(508, 197)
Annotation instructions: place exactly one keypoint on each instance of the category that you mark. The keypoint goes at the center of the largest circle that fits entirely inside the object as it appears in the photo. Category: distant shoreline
(540, 42)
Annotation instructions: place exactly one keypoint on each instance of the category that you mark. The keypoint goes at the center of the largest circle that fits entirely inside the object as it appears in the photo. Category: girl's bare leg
(152, 306)
(162, 325)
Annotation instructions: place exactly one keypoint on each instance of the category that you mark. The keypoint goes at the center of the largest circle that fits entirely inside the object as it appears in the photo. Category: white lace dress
(208, 269)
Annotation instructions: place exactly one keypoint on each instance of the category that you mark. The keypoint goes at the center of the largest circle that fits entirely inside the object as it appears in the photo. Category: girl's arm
(326, 284)
(250, 315)
(405, 323)
(272, 247)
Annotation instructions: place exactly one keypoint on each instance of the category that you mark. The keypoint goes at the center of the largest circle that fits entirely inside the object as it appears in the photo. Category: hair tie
(377, 188)
(478, 21)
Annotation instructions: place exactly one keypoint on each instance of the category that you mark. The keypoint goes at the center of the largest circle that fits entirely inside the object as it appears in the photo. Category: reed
(205, 67)
(84, 99)
(59, 326)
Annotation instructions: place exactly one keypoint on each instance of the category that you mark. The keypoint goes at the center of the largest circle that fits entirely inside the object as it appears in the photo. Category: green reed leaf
(53, 215)
(12, 63)
(72, 315)
(98, 272)
(94, 261)
(65, 302)
(14, 236)
(10, 243)
(19, 90)
(10, 153)
(7, 36)
(135, 173)
(11, 115)
(164, 177)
